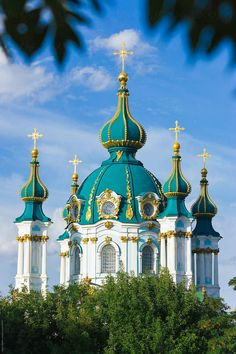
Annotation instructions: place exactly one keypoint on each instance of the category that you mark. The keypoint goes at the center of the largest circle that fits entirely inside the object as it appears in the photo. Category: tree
(209, 23)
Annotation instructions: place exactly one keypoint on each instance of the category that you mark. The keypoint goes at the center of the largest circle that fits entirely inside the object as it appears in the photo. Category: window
(77, 261)
(108, 258)
(147, 259)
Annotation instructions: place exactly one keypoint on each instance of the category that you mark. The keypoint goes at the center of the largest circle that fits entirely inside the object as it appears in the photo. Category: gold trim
(108, 225)
(134, 239)
(108, 196)
(129, 210)
(93, 239)
(149, 241)
(173, 233)
(108, 239)
(205, 250)
(149, 198)
(124, 239)
(89, 211)
(85, 240)
(119, 154)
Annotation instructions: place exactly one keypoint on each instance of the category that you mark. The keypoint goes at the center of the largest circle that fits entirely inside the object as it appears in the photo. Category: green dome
(176, 185)
(122, 129)
(126, 178)
(204, 206)
(34, 189)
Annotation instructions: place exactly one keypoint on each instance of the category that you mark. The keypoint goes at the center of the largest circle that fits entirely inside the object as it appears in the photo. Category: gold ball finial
(75, 177)
(176, 146)
(123, 78)
(35, 153)
(204, 172)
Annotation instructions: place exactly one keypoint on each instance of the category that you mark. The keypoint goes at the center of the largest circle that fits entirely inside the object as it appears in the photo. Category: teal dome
(122, 129)
(204, 206)
(127, 178)
(34, 189)
(176, 185)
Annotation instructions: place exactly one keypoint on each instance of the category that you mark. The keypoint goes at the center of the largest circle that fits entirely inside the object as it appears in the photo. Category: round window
(148, 209)
(108, 208)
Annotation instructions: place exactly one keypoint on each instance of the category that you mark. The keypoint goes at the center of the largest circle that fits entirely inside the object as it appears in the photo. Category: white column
(134, 255)
(20, 258)
(163, 252)
(62, 270)
(208, 265)
(193, 268)
(44, 258)
(189, 256)
(202, 268)
(216, 276)
(26, 257)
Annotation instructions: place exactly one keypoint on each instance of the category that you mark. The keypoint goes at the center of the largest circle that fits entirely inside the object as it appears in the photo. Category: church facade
(121, 218)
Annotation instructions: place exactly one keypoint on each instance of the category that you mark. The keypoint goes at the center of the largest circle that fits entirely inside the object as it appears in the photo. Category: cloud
(131, 37)
(95, 79)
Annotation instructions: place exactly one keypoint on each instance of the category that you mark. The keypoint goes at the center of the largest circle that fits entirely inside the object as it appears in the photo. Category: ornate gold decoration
(85, 240)
(89, 211)
(123, 54)
(129, 210)
(134, 239)
(108, 196)
(149, 240)
(205, 155)
(93, 239)
(151, 225)
(69, 243)
(108, 224)
(108, 239)
(124, 239)
(154, 201)
(173, 233)
(119, 154)
(64, 254)
(75, 243)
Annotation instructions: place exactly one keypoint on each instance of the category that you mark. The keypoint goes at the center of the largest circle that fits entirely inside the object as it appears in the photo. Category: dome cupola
(123, 130)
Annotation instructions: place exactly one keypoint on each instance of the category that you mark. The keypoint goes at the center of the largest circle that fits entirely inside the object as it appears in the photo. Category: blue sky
(69, 106)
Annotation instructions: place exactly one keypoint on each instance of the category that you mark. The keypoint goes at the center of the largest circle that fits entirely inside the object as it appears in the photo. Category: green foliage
(209, 23)
(29, 24)
(147, 314)
(232, 283)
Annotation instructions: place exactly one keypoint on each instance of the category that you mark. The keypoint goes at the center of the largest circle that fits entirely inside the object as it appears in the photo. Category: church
(121, 217)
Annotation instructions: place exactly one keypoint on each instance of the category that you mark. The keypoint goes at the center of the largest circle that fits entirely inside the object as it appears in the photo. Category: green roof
(64, 236)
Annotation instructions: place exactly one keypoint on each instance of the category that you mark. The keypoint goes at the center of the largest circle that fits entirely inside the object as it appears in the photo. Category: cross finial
(35, 136)
(75, 163)
(123, 54)
(177, 130)
(205, 155)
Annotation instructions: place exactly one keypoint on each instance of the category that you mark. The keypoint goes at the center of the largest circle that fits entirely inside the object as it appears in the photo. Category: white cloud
(96, 79)
(131, 37)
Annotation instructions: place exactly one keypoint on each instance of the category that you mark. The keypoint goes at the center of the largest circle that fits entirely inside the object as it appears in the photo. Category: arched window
(147, 259)
(77, 261)
(108, 259)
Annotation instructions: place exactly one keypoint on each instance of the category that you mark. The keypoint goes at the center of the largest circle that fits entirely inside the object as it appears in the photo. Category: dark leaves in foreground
(208, 22)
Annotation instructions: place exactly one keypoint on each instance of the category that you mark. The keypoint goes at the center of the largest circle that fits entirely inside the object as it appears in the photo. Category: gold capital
(35, 136)
(177, 130)
(123, 54)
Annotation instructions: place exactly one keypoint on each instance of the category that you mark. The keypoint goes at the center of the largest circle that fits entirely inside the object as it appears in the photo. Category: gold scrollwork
(119, 154)
(129, 210)
(149, 240)
(108, 225)
(134, 239)
(89, 211)
(85, 240)
(64, 254)
(93, 239)
(149, 198)
(108, 239)
(124, 239)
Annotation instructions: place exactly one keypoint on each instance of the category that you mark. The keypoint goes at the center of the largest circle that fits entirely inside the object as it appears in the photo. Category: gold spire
(35, 136)
(205, 155)
(177, 129)
(75, 163)
(123, 54)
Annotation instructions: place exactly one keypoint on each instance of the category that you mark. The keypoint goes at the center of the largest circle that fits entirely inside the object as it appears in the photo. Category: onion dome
(204, 206)
(204, 209)
(34, 189)
(176, 185)
(122, 129)
(34, 192)
(176, 188)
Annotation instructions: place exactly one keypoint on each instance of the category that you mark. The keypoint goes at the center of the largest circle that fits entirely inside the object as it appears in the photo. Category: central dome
(122, 178)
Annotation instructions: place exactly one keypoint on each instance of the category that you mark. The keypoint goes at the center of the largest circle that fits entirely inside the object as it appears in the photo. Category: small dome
(176, 185)
(34, 189)
(204, 206)
(122, 129)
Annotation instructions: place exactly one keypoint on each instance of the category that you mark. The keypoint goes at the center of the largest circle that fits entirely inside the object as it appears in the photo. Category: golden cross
(205, 155)
(75, 163)
(35, 136)
(123, 54)
(177, 130)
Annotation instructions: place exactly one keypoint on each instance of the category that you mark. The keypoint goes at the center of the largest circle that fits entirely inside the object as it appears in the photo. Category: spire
(204, 209)
(176, 188)
(75, 186)
(34, 192)
(123, 130)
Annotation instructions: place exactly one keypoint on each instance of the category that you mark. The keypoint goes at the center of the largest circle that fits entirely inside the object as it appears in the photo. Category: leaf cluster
(128, 314)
